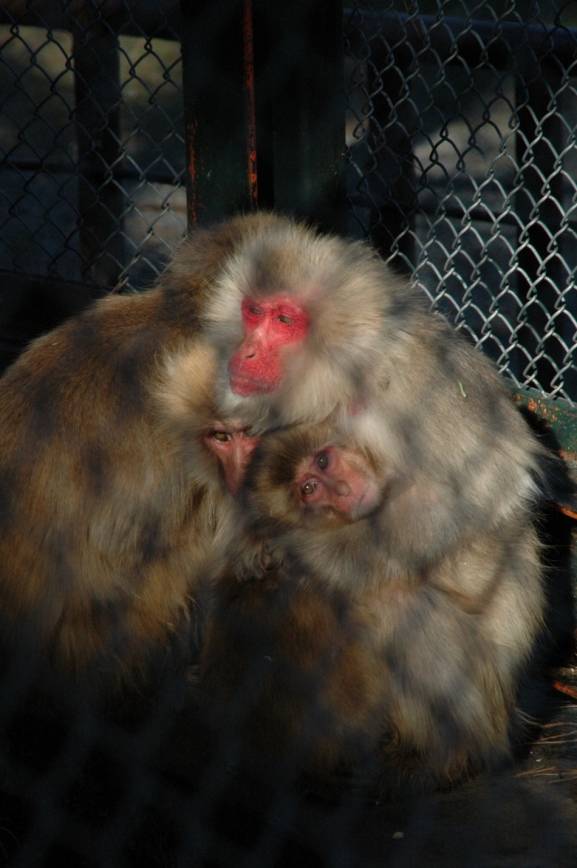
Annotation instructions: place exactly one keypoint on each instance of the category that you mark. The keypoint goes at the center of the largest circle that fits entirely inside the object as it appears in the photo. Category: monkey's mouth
(245, 386)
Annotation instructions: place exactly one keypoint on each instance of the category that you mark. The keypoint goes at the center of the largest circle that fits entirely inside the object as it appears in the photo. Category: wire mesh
(461, 168)
(91, 140)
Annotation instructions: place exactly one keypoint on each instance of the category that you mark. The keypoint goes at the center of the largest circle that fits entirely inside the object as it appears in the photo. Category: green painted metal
(300, 108)
(558, 415)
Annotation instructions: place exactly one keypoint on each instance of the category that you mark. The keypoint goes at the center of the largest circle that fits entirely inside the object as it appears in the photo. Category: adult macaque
(308, 326)
(113, 467)
(339, 656)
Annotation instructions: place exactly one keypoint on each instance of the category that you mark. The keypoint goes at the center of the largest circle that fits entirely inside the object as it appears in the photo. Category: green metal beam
(558, 415)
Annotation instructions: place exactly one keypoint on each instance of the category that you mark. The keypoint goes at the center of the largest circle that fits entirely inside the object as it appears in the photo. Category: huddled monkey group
(280, 450)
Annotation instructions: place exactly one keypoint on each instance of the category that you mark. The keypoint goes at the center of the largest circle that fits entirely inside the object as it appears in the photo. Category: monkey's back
(101, 528)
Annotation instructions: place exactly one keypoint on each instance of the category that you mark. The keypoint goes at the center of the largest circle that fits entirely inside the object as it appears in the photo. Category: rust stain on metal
(191, 129)
(249, 103)
(559, 415)
(541, 408)
(565, 688)
(192, 205)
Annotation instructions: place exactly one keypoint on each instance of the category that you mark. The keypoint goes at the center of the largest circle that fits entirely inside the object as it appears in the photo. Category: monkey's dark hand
(253, 563)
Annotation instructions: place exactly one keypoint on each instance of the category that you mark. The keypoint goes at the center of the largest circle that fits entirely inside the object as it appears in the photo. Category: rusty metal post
(264, 104)
(217, 82)
(299, 74)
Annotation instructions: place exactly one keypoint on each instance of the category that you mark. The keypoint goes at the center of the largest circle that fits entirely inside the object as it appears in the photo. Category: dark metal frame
(264, 97)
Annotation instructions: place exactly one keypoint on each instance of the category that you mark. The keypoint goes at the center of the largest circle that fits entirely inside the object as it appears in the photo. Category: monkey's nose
(249, 348)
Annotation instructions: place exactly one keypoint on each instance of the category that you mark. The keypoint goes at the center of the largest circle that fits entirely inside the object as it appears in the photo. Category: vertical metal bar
(539, 205)
(300, 95)
(101, 199)
(263, 87)
(249, 102)
(216, 99)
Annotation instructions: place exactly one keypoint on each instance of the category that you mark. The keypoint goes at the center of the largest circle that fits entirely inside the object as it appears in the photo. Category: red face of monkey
(269, 325)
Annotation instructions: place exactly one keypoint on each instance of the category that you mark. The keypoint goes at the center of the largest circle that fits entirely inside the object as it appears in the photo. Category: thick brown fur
(336, 653)
(109, 497)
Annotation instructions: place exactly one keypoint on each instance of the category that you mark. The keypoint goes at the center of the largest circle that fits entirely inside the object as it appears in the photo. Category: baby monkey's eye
(323, 461)
(309, 487)
(221, 436)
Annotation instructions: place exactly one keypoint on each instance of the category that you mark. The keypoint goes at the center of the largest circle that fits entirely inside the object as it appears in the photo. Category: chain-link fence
(461, 165)
(91, 140)
(92, 155)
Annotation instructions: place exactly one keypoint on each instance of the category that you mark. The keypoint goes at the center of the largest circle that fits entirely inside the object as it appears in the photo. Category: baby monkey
(328, 655)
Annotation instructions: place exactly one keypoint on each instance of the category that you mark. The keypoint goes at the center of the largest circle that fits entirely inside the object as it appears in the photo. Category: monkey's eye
(256, 311)
(221, 436)
(287, 320)
(323, 461)
(309, 488)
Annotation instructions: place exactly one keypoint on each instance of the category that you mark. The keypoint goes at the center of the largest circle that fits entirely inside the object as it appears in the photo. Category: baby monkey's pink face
(269, 325)
(338, 479)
